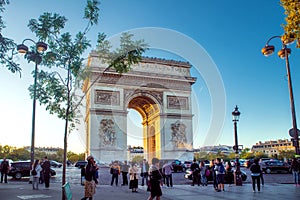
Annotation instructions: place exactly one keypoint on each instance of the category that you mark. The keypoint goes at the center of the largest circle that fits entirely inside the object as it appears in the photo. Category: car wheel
(268, 171)
(18, 176)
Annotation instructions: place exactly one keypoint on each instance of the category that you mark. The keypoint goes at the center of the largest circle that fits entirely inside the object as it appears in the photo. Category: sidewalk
(21, 190)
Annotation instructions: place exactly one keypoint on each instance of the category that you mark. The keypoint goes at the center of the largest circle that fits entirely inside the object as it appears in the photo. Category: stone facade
(160, 90)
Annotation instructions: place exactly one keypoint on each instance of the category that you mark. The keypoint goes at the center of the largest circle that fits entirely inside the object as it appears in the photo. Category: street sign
(291, 132)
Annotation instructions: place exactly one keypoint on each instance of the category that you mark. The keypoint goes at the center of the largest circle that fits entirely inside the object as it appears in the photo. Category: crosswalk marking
(35, 196)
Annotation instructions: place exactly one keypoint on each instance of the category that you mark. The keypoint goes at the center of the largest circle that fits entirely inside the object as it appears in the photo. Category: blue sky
(231, 32)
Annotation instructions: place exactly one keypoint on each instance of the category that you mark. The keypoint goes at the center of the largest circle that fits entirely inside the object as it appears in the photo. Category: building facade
(273, 147)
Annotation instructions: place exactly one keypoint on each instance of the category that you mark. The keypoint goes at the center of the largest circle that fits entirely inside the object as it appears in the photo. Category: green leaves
(129, 53)
(91, 11)
(7, 46)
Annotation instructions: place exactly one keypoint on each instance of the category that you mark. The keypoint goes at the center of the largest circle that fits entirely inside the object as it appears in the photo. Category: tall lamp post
(284, 54)
(237, 175)
(35, 55)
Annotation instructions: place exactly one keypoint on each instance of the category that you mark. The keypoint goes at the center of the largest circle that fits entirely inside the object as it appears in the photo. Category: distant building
(215, 149)
(47, 150)
(273, 147)
(134, 151)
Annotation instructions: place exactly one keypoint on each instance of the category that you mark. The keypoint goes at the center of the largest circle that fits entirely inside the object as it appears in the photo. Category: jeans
(113, 177)
(296, 176)
(169, 180)
(35, 183)
(257, 180)
(203, 179)
(5, 177)
(145, 176)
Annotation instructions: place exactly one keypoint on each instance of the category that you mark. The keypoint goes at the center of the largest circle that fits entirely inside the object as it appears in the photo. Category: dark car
(54, 163)
(275, 166)
(81, 163)
(22, 169)
(188, 175)
(177, 165)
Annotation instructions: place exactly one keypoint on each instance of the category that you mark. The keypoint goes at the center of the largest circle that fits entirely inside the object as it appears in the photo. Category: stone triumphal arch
(158, 89)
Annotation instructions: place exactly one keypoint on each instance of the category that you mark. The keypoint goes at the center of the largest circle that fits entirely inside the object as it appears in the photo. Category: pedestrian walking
(155, 180)
(220, 173)
(167, 171)
(295, 167)
(255, 174)
(203, 173)
(46, 171)
(134, 177)
(229, 173)
(213, 174)
(4, 170)
(124, 170)
(90, 179)
(144, 171)
(36, 173)
(261, 163)
(195, 173)
(115, 172)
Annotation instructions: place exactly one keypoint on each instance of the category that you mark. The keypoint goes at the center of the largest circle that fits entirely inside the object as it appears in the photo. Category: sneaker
(253, 190)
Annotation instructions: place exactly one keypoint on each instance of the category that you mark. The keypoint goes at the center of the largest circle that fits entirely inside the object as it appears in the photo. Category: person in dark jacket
(90, 179)
(124, 170)
(295, 167)
(195, 172)
(155, 180)
(46, 171)
(4, 170)
(255, 174)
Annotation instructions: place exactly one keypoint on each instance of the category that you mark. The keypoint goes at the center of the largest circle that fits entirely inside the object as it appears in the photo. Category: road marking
(35, 196)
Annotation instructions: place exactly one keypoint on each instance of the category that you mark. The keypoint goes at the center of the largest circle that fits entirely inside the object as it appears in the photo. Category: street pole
(296, 139)
(33, 114)
(237, 177)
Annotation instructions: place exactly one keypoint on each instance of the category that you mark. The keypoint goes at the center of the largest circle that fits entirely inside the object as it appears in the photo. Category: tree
(55, 87)
(292, 19)
(137, 159)
(7, 45)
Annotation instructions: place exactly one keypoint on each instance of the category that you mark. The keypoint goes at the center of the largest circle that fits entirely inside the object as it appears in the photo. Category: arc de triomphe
(160, 90)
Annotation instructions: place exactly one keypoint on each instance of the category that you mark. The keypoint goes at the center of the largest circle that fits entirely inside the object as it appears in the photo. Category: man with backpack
(220, 173)
(115, 172)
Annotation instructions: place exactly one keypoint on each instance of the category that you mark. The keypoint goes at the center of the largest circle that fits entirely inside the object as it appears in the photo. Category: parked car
(54, 163)
(22, 169)
(81, 163)
(177, 165)
(275, 166)
(187, 164)
(248, 163)
(188, 175)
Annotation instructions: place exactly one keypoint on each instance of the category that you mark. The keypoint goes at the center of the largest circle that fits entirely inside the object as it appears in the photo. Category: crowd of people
(153, 175)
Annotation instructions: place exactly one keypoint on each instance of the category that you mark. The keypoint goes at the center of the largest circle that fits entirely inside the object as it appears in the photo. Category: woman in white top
(36, 175)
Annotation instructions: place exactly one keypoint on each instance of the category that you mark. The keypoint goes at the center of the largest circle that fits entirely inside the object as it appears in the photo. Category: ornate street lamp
(237, 175)
(284, 54)
(35, 56)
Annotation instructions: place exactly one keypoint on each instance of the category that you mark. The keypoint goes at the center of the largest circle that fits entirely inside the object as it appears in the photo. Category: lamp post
(237, 175)
(34, 56)
(284, 54)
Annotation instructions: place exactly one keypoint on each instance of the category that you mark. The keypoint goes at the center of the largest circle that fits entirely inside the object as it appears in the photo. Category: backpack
(221, 168)
(207, 172)
(33, 172)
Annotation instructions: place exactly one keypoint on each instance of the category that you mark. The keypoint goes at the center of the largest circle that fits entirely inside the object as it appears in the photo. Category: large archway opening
(134, 128)
(149, 111)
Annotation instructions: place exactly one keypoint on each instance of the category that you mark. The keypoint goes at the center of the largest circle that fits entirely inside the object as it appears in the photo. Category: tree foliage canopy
(7, 45)
(292, 26)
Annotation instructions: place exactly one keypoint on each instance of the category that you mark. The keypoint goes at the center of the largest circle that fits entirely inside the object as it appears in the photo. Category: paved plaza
(23, 190)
